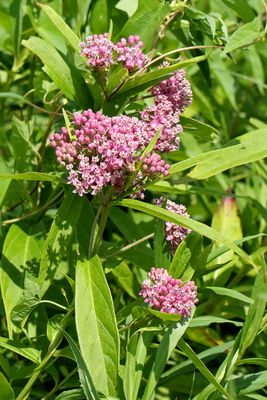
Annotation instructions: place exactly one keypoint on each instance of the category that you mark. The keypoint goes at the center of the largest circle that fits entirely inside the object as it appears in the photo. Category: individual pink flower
(174, 233)
(167, 294)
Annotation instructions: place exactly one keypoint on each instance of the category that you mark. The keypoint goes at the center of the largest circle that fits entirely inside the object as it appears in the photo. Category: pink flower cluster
(168, 295)
(174, 233)
(172, 96)
(101, 52)
(106, 151)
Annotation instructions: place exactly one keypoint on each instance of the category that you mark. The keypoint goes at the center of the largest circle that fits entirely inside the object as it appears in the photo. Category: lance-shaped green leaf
(143, 81)
(135, 362)
(96, 325)
(61, 25)
(63, 72)
(202, 367)
(256, 311)
(59, 238)
(27, 352)
(196, 226)
(31, 176)
(243, 149)
(84, 375)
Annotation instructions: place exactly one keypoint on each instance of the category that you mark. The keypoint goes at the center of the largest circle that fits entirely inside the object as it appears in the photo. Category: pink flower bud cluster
(176, 90)
(172, 96)
(130, 53)
(98, 51)
(106, 151)
(168, 295)
(174, 233)
(101, 52)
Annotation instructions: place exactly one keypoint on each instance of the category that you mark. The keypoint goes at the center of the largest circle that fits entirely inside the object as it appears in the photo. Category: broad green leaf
(202, 367)
(135, 363)
(146, 21)
(244, 36)
(84, 375)
(256, 311)
(234, 294)
(30, 353)
(196, 226)
(32, 176)
(95, 315)
(168, 343)
(6, 392)
(21, 252)
(63, 73)
(59, 238)
(61, 25)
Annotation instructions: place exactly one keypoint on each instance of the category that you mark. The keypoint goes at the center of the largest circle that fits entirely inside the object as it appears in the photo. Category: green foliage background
(109, 346)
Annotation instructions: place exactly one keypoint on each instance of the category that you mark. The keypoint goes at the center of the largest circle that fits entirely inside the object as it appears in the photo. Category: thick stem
(92, 234)
(23, 395)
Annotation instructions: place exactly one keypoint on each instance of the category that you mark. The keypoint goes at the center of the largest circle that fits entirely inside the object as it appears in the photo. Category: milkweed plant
(133, 195)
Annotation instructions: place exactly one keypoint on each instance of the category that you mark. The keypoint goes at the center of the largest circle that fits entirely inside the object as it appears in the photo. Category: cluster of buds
(166, 294)
(100, 52)
(174, 233)
(106, 151)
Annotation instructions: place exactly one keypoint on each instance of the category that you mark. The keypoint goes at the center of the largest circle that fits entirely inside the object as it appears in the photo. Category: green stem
(130, 246)
(103, 220)
(94, 226)
(51, 350)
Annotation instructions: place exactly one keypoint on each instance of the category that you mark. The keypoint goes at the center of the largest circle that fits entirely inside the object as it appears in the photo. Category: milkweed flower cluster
(101, 150)
(174, 233)
(106, 151)
(171, 97)
(167, 294)
(100, 52)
